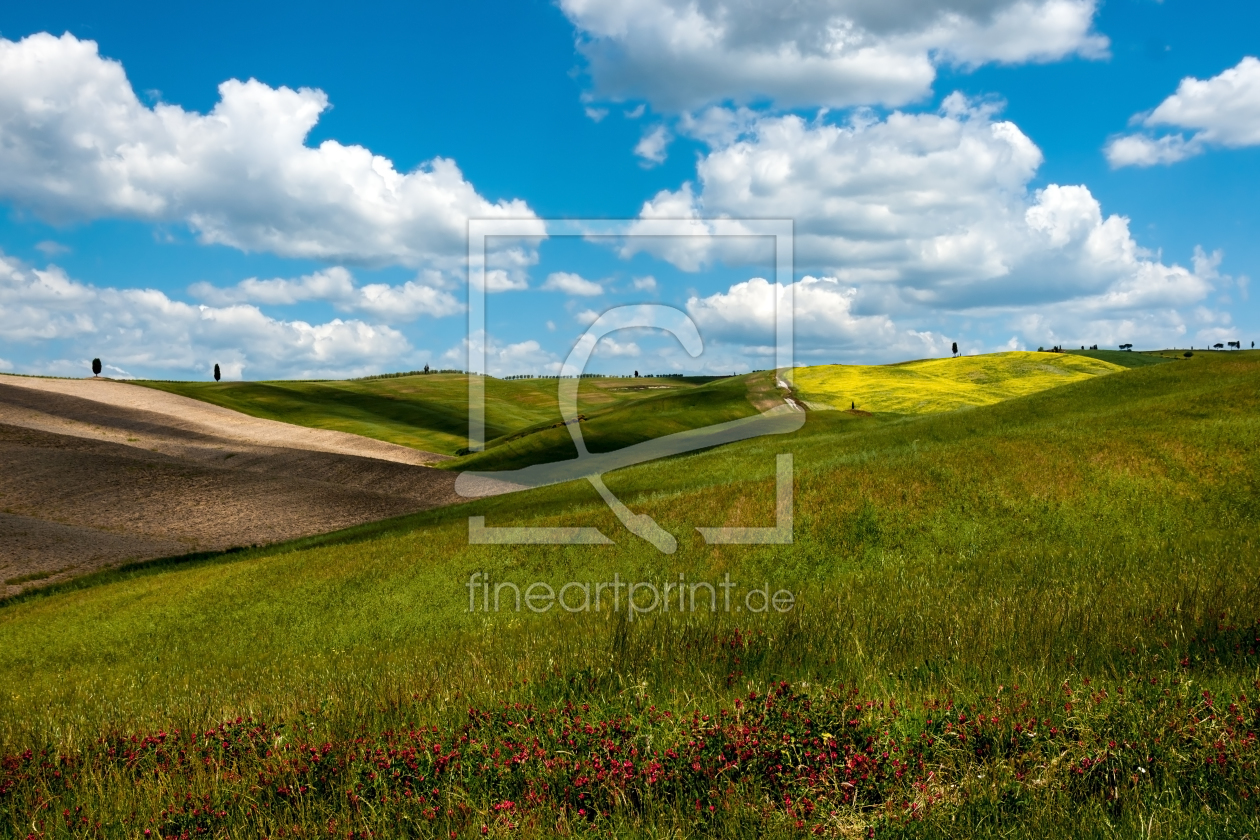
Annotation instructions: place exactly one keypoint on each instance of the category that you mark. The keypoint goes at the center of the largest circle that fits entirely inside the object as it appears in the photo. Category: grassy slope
(621, 425)
(1127, 359)
(425, 412)
(932, 385)
(1103, 531)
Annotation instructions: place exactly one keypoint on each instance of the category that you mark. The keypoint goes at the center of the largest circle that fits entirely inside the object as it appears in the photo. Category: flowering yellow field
(932, 385)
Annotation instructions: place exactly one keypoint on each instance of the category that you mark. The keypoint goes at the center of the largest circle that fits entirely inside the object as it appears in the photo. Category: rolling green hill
(1128, 359)
(933, 385)
(623, 424)
(523, 425)
(428, 412)
(1037, 618)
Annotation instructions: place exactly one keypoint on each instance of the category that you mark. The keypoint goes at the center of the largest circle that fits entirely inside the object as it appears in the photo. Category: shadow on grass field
(624, 424)
(428, 412)
(1129, 359)
(1032, 619)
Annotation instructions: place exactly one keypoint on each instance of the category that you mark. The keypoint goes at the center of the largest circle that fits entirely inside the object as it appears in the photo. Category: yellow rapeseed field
(931, 385)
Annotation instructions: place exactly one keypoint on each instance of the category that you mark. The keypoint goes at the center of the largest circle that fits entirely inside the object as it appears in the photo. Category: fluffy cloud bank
(142, 330)
(336, 285)
(921, 215)
(825, 320)
(1221, 111)
(683, 54)
(76, 143)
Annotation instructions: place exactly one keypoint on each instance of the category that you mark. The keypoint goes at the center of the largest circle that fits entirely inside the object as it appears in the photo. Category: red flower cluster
(791, 758)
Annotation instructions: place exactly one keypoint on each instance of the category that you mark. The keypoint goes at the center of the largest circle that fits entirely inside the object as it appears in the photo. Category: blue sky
(1001, 173)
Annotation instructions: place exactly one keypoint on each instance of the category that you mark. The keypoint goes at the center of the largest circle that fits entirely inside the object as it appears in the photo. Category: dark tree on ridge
(216, 371)
(955, 351)
(96, 367)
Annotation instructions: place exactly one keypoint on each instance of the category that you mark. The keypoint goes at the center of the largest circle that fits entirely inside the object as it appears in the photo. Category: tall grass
(1033, 618)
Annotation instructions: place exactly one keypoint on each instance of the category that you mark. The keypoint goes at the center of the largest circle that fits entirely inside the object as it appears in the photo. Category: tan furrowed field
(99, 473)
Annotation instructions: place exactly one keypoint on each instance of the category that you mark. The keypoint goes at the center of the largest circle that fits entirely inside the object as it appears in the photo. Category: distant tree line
(553, 376)
(1128, 346)
(637, 375)
(406, 373)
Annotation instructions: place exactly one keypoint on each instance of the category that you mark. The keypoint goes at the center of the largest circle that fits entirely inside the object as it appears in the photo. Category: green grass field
(1129, 359)
(625, 423)
(1036, 618)
(424, 412)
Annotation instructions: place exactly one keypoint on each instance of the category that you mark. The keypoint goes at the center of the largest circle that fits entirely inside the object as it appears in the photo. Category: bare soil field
(94, 473)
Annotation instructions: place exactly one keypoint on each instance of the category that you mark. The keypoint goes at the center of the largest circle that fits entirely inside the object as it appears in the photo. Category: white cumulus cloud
(499, 280)
(1221, 111)
(572, 284)
(332, 284)
(513, 359)
(144, 330)
(610, 348)
(77, 143)
(684, 54)
(921, 215)
(825, 320)
(337, 286)
(652, 146)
